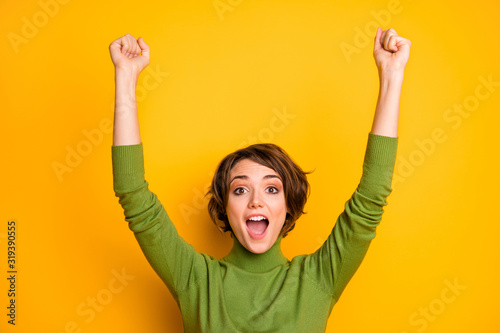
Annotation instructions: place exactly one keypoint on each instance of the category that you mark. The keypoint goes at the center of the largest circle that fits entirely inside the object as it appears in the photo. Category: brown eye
(239, 190)
(273, 190)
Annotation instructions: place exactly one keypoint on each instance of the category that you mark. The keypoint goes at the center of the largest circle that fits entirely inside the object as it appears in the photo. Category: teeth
(257, 218)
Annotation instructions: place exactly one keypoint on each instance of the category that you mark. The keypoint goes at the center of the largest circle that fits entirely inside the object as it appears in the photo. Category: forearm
(385, 121)
(175, 261)
(356, 226)
(126, 120)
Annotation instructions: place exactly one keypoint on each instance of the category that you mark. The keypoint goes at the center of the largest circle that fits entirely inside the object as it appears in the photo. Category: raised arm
(130, 57)
(391, 53)
(175, 261)
(336, 261)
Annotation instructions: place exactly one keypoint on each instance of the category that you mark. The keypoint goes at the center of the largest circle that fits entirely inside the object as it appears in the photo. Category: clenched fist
(391, 51)
(130, 54)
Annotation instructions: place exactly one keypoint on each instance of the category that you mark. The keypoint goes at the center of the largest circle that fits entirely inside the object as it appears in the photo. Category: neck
(253, 262)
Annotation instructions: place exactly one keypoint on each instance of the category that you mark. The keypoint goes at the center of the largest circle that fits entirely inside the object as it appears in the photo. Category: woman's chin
(252, 245)
(258, 248)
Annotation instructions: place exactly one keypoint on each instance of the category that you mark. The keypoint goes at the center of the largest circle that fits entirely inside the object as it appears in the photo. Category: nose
(255, 200)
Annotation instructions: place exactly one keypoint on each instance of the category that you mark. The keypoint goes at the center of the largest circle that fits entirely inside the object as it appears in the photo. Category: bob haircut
(295, 184)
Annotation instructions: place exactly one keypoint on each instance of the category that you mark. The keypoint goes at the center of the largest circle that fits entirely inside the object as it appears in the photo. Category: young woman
(257, 194)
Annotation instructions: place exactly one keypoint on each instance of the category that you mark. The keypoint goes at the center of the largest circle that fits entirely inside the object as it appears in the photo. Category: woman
(257, 194)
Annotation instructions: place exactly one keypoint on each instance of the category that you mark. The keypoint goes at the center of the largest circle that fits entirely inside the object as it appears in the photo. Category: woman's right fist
(129, 54)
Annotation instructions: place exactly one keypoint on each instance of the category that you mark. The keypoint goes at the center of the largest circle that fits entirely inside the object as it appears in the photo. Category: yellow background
(222, 76)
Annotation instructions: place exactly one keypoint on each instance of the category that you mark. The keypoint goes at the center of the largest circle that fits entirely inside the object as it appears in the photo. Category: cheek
(280, 202)
(233, 208)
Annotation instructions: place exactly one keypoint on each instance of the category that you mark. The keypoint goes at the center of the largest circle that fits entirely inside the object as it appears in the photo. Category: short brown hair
(295, 184)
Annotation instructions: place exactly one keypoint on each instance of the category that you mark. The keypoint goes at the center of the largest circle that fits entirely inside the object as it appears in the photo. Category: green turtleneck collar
(257, 263)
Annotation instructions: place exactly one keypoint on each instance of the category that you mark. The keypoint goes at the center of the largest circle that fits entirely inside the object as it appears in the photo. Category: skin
(255, 194)
(130, 57)
(391, 53)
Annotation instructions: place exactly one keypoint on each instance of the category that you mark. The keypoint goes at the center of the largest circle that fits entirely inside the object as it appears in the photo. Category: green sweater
(247, 292)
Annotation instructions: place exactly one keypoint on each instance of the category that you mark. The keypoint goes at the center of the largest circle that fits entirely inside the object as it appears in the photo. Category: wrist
(391, 74)
(125, 91)
(124, 74)
(125, 84)
(391, 80)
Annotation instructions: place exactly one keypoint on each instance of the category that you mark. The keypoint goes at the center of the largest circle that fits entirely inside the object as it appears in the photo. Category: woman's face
(256, 206)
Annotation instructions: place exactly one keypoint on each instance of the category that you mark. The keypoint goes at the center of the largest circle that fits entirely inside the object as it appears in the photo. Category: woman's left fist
(391, 51)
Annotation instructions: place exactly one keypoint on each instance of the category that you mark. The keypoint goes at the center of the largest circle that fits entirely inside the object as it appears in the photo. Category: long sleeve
(175, 261)
(335, 262)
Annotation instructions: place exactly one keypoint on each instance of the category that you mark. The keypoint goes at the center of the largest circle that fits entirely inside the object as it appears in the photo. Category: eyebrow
(246, 177)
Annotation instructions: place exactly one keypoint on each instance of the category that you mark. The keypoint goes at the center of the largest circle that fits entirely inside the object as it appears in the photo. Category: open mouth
(257, 228)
